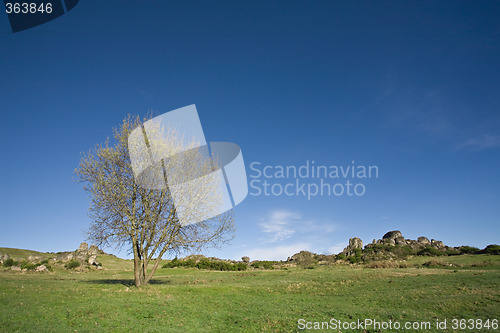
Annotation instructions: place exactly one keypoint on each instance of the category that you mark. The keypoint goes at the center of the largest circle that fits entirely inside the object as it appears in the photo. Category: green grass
(191, 300)
(19, 253)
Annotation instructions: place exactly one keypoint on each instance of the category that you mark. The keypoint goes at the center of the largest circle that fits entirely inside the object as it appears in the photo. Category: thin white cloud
(281, 252)
(280, 225)
(483, 142)
(337, 248)
(283, 224)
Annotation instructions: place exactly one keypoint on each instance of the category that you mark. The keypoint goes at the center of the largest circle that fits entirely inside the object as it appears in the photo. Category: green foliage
(340, 256)
(72, 264)
(491, 249)
(44, 262)
(28, 266)
(356, 258)
(452, 252)
(430, 251)
(264, 264)
(206, 264)
(468, 250)
(434, 263)
(10, 262)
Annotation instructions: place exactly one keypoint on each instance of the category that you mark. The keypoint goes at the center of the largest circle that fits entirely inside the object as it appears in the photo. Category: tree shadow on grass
(125, 282)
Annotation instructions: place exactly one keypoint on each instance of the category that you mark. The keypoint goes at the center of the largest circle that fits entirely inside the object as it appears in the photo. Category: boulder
(84, 247)
(393, 234)
(65, 256)
(4, 257)
(413, 244)
(389, 241)
(93, 260)
(354, 243)
(437, 244)
(400, 241)
(93, 250)
(302, 256)
(16, 268)
(245, 259)
(423, 240)
(80, 256)
(41, 268)
(34, 258)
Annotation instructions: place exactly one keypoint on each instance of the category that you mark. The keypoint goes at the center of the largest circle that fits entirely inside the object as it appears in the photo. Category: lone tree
(145, 219)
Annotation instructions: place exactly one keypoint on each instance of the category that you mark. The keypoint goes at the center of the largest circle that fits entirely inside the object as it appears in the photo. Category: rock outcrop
(395, 237)
(84, 254)
(354, 243)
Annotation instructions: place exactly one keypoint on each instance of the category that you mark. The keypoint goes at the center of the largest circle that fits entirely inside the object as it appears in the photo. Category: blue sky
(411, 87)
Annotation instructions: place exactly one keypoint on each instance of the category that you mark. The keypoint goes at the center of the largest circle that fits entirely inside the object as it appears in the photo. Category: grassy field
(191, 300)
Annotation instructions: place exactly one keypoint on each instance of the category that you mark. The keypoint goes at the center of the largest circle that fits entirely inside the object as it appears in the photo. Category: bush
(430, 251)
(44, 262)
(340, 256)
(356, 257)
(491, 249)
(468, 250)
(10, 262)
(28, 266)
(72, 264)
(206, 264)
(452, 252)
(263, 264)
(434, 263)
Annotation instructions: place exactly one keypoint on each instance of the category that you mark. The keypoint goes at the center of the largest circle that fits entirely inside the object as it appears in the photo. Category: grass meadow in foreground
(191, 300)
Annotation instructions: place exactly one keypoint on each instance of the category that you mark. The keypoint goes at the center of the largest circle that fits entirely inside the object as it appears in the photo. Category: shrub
(72, 264)
(340, 256)
(45, 261)
(356, 257)
(452, 252)
(491, 249)
(10, 262)
(429, 251)
(206, 264)
(434, 263)
(468, 249)
(263, 264)
(28, 266)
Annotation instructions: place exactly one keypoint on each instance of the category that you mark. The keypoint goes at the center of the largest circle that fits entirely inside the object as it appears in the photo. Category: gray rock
(34, 258)
(41, 268)
(16, 268)
(414, 245)
(80, 256)
(400, 241)
(245, 259)
(65, 256)
(93, 260)
(93, 250)
(389, 241)
(84, 247)
(392, 234)
(437, 244)
(354, 243)
(423, 240)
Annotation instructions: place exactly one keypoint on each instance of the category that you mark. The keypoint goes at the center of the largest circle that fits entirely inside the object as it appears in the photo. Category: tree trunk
(139, 277)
